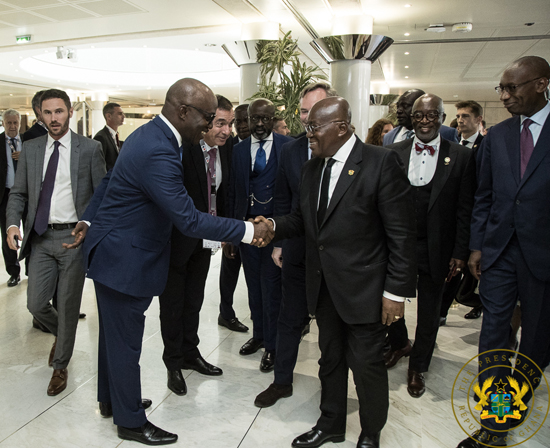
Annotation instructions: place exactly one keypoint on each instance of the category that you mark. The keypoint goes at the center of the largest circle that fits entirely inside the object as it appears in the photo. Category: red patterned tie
(526, 144)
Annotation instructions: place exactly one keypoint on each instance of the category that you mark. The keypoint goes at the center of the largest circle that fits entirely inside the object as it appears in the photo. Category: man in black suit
(231, 259)
(293, 315)
(108, 136)
(356, 211)
(206, 176)
(8, 166)
(469, 115)
(442, 175)
(38, 129)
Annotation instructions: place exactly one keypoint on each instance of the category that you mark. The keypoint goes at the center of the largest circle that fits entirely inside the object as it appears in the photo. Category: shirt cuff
(10, 228)
(248, 232)
(393, 297)
(88, 223)
(273, 221)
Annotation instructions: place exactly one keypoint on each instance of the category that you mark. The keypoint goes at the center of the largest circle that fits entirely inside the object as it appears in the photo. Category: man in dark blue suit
(255, 162)
(293, 313)
(127, 248)
(510, 241)
(405, 130)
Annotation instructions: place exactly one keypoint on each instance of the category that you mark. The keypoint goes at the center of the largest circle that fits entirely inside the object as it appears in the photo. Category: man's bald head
(428, 115)
(524, 85)
(329, 126)
(190, 106)
(404, 106)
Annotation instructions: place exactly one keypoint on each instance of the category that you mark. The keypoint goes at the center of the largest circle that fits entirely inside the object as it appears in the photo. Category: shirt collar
(343, 153)
(435, 142)
(65, 140)
(172, 128)
(472, 138)
(540, 117)
(207, 146)
(111, 130)
(17, 137)
(255, 140)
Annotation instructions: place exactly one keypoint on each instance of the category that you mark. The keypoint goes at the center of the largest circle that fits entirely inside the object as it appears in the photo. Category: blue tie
(259, 164)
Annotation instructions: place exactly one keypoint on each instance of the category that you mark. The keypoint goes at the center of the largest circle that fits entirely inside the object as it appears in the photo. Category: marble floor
(217, 412)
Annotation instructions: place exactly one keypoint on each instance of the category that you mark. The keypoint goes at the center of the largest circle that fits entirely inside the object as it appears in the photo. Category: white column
(97, 117)
(250, 79)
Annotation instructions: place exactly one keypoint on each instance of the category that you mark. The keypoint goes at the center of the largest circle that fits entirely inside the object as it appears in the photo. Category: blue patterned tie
(259, 164)
(45, 199)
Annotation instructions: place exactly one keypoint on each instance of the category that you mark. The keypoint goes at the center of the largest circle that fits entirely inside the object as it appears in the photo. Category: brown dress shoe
(416, 385)
(391, 357)
(52, 353)
(58, 383)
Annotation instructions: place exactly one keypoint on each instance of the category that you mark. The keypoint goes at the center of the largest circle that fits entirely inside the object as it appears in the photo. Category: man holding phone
(442, 175)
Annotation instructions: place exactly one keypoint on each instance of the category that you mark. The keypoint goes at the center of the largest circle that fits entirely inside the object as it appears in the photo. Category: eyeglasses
(313, 129)
(430, 116)
(512, 88)
(257, 118)
(208, 116)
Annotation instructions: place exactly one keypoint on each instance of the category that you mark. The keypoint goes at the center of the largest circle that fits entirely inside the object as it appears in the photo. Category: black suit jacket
(35, 131)
(287, 193)
(3, 165)
(366, 243)
(451, 203)
(195, 182)
(108, 147)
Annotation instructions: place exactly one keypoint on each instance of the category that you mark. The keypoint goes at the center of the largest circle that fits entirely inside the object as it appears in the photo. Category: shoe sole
(335, 439)
(203, 373)
(140, 440)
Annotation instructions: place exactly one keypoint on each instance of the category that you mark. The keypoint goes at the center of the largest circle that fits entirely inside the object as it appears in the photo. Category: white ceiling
(134, 49)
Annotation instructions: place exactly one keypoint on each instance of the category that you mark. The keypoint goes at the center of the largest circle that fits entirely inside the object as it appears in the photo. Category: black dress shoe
(516, 423)
(232, 324)
(251, 346)
(272, 394)
(201, 366)
(391, 358)
(36, 324)
(14, 280)
(82, 316)
(416, 384)
(369, 442)
(106, 409)
(482, 438)
(475, 313)
(149, 435)
(267, 364)
(176, 382)
(315, 437)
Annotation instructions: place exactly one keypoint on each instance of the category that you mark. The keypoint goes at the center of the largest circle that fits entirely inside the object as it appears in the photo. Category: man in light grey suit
(57, 175)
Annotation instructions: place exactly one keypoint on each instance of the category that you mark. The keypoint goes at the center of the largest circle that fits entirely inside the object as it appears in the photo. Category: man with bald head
(356, 212)
(510, 240)
(253, 173)
(405, 129)
(127, 246)
(442, 176)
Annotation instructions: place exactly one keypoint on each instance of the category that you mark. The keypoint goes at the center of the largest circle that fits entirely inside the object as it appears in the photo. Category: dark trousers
(499, 288)
(229, 277)
(10, 256)
(450, 291)
(293, 317)
(263, 279)
(350, 346)
(180, 306)
(427, 324)
(121, 325)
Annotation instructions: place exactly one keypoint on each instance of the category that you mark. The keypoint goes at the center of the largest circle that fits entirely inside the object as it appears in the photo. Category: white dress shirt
(62, 209)
(470, 140)
(10, 176)
(538, 122)
(249, 227)
(255, 145)
(422, 166)
(113, 135)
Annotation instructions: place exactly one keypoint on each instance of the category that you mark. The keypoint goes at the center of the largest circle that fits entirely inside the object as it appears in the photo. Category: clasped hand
(263, 231)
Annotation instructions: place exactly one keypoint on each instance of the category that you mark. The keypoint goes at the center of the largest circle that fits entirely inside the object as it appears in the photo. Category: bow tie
(421, 147)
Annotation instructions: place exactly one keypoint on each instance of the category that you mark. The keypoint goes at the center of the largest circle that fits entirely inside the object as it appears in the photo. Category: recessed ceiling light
(406, 66)
(406, 52)
(406, 77)
(11, 94)
(11, 63)
(148, 88)
(145, 46)
(455, 96)
(407, 34)
(407, 6)
(148, 111)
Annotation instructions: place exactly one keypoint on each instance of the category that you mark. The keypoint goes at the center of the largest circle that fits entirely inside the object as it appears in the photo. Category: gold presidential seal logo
(503, 392)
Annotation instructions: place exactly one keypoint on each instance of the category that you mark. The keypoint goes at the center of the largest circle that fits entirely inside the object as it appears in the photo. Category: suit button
(518, 202)
(318, 273)
(321, 247)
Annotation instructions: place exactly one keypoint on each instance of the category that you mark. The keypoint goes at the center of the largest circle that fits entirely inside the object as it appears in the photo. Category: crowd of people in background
(324, 226)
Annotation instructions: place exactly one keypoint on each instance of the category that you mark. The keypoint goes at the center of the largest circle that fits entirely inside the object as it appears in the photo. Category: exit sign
(23, 39)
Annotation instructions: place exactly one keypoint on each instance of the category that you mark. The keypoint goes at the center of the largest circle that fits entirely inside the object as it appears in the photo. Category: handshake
(263, 231)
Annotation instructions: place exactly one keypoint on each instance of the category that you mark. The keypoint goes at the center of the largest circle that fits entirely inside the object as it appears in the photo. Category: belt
(70, 225)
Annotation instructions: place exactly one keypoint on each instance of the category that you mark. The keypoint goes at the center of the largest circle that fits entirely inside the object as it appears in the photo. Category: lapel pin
(447, 160)
(351, 172)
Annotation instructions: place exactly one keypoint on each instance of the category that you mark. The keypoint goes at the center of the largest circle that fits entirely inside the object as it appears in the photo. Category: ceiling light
(407, 6)
(463, 27)
(11, 94)
(436, 28)
(406, 77)
(406, 52)
(406, 66)
(407, 34)
(60, 53)
(455, 96)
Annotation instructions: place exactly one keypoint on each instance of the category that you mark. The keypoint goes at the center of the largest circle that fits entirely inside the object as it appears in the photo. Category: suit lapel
(445, 163)
(541, 150)
(39, 164)
(512, 148)
(317, 169)
(75, 161)
(347, 176)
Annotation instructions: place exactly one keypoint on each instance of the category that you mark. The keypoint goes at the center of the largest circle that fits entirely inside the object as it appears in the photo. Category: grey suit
(49, 262)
